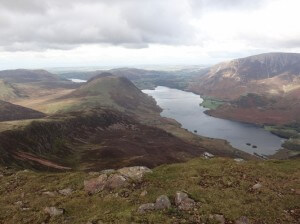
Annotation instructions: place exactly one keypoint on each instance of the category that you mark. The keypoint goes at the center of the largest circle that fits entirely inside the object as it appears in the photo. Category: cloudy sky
(64, 33)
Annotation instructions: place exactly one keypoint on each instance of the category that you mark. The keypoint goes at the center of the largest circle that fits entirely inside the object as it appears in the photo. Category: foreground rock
(183, 202)
(218, 218)
(135, 172)
(208, 155)
(95, 185)
(242, 220)
(257, 186)
(146, 207)
(161, 203)
(66, 191)
(53, 211)
(112, 179)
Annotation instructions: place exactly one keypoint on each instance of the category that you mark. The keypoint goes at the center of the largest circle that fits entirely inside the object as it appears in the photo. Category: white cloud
(120, 32)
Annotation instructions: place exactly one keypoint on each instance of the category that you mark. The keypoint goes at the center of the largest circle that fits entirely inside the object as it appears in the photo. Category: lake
(184, 107)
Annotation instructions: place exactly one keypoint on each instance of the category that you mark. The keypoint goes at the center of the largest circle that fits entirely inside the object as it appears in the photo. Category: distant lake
(184, 107)
(78, 80)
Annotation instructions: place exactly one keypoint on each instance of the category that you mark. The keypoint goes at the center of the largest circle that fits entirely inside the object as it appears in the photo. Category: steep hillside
(11, 112)
(272, 74)
(91, 140)
(7, 91)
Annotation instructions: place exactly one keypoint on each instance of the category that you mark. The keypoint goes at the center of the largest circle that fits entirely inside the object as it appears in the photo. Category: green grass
(220, 186)
(211, 103)
(290, 132)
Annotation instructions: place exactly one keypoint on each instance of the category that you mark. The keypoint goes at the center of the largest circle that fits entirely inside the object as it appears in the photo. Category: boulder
(146, 207)
(208, 155)
(135, 172)
(53, 211)
(115, 181)
(218, 218)
(162, 202)
(95, 185)
(242, 220)
(66, 191)
(183, 202)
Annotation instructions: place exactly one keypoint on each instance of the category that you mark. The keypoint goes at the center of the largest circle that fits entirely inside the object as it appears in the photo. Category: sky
(117, 33)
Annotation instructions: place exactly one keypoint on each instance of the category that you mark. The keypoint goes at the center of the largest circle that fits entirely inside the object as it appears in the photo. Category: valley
(73, 136)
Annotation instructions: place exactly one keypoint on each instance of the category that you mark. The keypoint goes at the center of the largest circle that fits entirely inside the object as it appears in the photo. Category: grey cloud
(40, 25)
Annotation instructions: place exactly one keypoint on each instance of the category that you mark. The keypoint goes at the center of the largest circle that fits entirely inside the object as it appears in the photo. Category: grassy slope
(6, 91)
(221, 186)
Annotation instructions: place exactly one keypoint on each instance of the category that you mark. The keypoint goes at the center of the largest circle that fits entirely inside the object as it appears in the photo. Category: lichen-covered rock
(50, 193)
(242, 220)
(95, 185)
(162, 202)
(135, 172)
(257, 186)
(66, 191)
(183, 201)
(53, 211)
(218, 218)
(115, 181)
(146, 207)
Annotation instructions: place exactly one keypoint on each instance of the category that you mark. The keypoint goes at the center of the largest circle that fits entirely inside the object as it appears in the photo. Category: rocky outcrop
(135, 172)
(161, 203)
(115, 179)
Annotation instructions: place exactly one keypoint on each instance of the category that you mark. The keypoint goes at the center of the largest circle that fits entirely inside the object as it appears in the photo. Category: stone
(66, 191)
(242, 220)
(115, 181)
(179, 197)
(95, 185)
(144, 193)
(218, 218)
(50, 193)
(53, 211)
(257, 186)
(187, 204)
(239, 160)
(146, 207)
(208, 155)
(135, 172)
(183, 201)
(162, 202)
(19, 203)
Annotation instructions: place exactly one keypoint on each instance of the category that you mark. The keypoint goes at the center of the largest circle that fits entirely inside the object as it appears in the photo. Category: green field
(211, 103)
